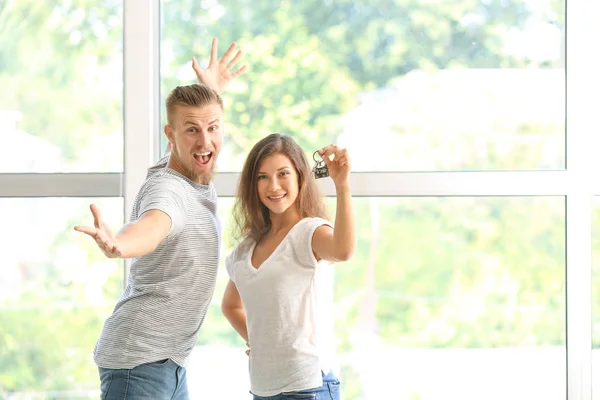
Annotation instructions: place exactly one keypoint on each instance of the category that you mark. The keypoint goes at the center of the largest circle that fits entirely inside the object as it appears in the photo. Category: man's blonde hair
(196, 95)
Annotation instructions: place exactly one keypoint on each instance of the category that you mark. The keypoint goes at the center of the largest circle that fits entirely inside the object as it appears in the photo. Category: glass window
(443, 297)
(424, 86)
(61, 74)
(56, 289)
(596, 296)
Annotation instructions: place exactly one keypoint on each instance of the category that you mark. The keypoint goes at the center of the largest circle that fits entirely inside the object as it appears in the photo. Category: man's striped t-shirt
(169, 290)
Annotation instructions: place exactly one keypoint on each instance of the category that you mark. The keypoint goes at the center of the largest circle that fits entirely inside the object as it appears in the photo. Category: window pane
(445, 298)
(56, 289)
(462, 85)
(62, 84)
(596, 298)
(219, 347)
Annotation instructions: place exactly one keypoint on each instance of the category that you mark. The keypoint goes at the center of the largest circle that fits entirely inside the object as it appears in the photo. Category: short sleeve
(229, 261)
(167, 194)
(303, 240)
(237, 254)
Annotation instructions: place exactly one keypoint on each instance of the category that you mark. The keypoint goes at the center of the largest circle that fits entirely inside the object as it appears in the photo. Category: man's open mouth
(203, 158)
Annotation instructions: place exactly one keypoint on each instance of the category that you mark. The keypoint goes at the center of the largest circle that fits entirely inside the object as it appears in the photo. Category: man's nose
(202, 138)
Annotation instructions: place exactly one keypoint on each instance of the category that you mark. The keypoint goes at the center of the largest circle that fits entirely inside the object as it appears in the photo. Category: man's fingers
(102, 241)
(196, 67)
(87, 230)
(228, 53)
(238, 72)
(97, 216)
(213, 51)
(235, 59)
(116, 251)
(106, 244)
(97, 234)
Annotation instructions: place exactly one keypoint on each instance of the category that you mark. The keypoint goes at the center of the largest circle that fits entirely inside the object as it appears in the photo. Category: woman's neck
(284, 222)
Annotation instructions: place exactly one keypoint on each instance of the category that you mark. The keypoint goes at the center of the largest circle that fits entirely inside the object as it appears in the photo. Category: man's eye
(214, 128)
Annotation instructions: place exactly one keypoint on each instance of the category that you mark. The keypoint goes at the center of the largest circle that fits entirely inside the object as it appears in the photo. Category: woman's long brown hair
(251, 217)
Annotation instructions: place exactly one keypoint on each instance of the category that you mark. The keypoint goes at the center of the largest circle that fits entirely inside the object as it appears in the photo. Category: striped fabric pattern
(169, 290)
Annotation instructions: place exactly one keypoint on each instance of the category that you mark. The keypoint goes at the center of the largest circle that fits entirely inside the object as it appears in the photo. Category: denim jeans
(329, 391)
(161, 380)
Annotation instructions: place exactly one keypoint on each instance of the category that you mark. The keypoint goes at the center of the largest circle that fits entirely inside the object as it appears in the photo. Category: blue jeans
(161, 380)
(329, 391)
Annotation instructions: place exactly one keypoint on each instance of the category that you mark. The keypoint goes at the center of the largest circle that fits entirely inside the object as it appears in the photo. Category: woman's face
(277, 183)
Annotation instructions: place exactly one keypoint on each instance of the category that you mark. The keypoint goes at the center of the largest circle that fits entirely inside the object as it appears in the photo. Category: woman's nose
(273, 184)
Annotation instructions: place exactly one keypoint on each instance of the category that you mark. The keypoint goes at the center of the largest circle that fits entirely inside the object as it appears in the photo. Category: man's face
(196, 137)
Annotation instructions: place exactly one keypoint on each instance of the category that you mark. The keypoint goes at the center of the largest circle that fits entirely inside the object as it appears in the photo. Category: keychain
(320, 170)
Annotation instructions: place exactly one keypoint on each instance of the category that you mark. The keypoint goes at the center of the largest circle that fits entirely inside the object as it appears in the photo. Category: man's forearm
(141, 237)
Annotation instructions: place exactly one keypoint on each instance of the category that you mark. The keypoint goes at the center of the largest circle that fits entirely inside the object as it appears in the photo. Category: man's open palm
(102, 235)
(219, 74)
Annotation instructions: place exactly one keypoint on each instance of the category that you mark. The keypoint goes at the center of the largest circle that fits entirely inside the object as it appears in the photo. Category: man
(173, 237)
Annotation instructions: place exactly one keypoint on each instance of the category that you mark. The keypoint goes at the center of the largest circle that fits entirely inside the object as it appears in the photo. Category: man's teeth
(203, 157)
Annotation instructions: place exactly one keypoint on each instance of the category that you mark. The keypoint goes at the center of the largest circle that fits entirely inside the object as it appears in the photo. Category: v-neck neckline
(253, 247)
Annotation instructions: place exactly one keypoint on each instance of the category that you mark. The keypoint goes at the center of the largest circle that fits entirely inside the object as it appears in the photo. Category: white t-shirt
(288, 312)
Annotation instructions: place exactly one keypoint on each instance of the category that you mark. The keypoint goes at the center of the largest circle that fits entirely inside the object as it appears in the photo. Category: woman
(273, 296)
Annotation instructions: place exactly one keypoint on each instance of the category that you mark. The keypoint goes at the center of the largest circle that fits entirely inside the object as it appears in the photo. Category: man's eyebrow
(196, 124)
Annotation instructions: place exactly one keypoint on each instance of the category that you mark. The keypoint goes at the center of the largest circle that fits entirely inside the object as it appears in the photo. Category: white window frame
(578, 183)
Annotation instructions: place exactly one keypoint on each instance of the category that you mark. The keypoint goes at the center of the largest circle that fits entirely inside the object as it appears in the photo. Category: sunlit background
(448, 297)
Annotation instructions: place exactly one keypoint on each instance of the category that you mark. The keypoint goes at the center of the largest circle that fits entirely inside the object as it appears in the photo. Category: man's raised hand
(219, 73)
(103, 236)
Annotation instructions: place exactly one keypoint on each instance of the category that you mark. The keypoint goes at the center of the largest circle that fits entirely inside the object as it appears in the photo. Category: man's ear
(170, 139)
(169, 133)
